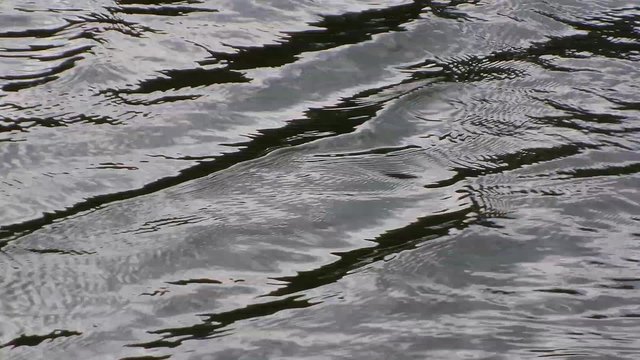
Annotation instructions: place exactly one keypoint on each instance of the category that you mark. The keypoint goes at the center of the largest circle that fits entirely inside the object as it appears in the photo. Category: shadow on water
(349, 113)
(339, 119)
(214, 325)
(334, 31)
(432, 227)
(34, 340)
(160, 8)
(390, 243)
(610, 35)
(343, 118)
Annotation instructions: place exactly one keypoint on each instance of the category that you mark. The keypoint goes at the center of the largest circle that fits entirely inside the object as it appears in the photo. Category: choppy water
(241, 179)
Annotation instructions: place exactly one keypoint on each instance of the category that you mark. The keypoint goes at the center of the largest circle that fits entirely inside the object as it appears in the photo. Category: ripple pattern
(339, 179)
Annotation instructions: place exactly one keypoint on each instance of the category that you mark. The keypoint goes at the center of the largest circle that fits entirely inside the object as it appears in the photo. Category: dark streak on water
(339, 179)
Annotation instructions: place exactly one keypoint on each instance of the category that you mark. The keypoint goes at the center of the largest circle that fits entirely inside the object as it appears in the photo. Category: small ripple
(148, 357)
(157, 225)
(602, 34)
(177, 10)
(215, 324)
(26, 123)
(194, 281)
(61, 251)
(561, 291)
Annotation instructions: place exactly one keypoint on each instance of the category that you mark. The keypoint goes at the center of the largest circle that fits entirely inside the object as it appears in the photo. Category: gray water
(355, 179)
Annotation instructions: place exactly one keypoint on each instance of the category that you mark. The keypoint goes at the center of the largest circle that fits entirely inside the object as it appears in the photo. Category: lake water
(354, 179)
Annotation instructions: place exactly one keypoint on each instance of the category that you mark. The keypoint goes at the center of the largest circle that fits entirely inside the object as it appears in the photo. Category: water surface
(319, 179)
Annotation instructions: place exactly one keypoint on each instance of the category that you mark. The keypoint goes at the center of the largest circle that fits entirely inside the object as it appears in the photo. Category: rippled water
(388, 179)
